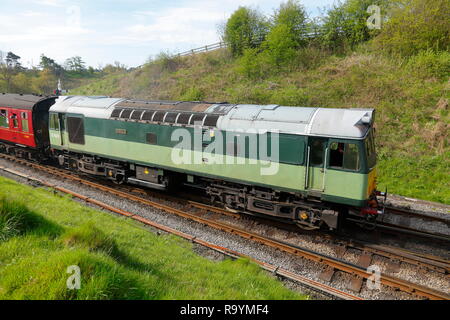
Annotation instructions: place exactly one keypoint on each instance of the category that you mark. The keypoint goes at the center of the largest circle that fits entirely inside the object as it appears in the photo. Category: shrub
(292, 14)
(252, 64)
(429, 63)
(346, 23)
(167, 62)
(244, 29)
(416, 25)
(280, 46)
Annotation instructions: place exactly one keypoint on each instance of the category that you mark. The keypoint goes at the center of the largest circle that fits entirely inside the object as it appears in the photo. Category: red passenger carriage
(24, 123)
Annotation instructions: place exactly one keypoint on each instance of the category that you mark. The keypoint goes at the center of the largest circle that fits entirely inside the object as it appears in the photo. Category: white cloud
(178, 25)
(105, 34)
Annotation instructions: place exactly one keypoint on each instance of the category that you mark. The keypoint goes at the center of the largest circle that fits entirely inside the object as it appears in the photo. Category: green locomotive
(306, 165)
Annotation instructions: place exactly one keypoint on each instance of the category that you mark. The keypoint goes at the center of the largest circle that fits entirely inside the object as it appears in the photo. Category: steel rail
(414, 214)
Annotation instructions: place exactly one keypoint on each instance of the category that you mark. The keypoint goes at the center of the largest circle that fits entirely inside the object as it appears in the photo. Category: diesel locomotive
(310, 166)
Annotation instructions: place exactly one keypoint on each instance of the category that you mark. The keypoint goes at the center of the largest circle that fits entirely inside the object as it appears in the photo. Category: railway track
(358, 271)
(411, 213)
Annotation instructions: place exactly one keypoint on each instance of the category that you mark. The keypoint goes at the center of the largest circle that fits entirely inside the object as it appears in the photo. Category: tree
(117, 67)
(280, 45)
(416, 25)
(9, 66)
(246, 28)
(292, 15)
(346, 22)
(21, 83)
(46, 83)
(75, 64)
(50, 64)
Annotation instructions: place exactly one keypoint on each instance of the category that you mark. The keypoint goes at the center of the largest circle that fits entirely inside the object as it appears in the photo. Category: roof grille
(162, 116)
(126, 113)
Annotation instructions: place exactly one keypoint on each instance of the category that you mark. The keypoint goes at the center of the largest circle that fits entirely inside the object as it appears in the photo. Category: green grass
(103, 87)
(43, 234)
(410, 96)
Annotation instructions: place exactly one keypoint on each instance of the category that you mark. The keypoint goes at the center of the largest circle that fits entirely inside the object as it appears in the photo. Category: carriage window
(344, 156)
(4, 119)
(75, 127)
(54, 123)
(15, 121)
(24, 121)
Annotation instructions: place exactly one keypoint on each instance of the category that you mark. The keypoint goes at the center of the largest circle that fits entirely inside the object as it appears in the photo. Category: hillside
(412, 107)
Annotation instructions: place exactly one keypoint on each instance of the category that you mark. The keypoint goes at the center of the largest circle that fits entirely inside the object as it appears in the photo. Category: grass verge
(43, 234)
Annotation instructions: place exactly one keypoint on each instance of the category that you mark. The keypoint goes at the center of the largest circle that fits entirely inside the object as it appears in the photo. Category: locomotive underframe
(308, 213)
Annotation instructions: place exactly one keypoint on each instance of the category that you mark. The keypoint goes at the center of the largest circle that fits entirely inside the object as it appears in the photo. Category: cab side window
(75, 127)
(4, 119)
(54, 123)
(344, 156)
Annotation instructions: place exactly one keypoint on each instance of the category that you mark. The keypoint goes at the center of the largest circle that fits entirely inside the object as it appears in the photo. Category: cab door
(62, 128)
(316, 165)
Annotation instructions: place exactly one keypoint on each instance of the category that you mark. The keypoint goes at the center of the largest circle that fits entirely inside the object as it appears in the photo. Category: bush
(167, 62)
(244, 29)
(346, 23)
(252, 64)
(280, 46)
(428, 64)
(292, 14)
(416, 25)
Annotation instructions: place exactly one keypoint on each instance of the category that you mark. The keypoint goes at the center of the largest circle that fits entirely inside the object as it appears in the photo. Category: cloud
(177, 25)
(125, 30)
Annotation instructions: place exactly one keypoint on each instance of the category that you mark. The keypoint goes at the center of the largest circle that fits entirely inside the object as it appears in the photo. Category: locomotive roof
(21, 101)
(327, 122)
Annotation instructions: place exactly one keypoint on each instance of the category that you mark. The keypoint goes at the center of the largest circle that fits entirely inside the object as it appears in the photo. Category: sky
(128, 31)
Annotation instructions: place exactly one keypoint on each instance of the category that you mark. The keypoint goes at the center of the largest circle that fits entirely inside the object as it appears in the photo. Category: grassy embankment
(410, 96)
(42, 234)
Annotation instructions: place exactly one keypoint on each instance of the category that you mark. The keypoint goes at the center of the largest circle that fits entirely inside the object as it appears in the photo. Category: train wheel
(370, 223)
(120, 179)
